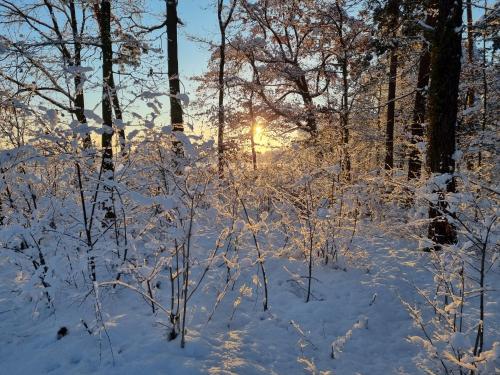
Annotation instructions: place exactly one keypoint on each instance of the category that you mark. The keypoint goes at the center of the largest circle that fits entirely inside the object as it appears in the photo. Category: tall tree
(349, 46)
(127, 54)
(118, 115)
(176, 114)
(286, 54)
(392, 22)
(443, 98)
(223, 24)
(419, 107)
(470, 50)
(77, 62)
(104, 17)
(253, 127)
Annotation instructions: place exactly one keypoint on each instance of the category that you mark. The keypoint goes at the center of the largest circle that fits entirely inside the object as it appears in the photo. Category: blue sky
(200, 20)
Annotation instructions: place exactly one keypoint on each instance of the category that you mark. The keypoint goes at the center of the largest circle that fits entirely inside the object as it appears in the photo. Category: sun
(258, 129)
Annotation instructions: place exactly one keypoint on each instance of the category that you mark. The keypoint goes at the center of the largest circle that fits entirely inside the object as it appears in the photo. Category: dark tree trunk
(443, 101)
(221, 112)
(344, 107)
(391, 110)
(417, 130)
(344, 122)
(470, 50)
(378, 158)
(311, 123)
(393, 14)
(107, 84)
(469, 123)
(114, 96)
(222, 62)
(176, 114)
(79, 94)
(485, 89)
(419, 109)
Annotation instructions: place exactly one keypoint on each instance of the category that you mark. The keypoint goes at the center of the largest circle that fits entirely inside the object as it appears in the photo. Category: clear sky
(200, 21)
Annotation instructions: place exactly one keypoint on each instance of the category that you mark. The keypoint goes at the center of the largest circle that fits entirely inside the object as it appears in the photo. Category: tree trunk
(176, 114)
(344, 122)
(79, 95)
(344, 108)
(311, 123)
(485, 87)
(221, 112)
(393, 14)
(222, 62)
(419, 109)
(443, 101)
(378, 154)
(391, 109)
(470, 51)
(107, 84)
(417, 130)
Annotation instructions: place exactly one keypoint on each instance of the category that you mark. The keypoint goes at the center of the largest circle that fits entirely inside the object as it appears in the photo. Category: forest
(249, 187)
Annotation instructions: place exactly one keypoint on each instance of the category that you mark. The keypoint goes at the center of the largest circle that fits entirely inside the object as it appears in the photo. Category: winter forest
(249, 187)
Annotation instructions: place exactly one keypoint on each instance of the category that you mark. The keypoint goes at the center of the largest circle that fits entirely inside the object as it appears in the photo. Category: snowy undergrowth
(167, 256)
(356, 307)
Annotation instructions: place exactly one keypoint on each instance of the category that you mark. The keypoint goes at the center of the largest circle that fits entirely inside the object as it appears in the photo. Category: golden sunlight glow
(258, 129)
(263, 140)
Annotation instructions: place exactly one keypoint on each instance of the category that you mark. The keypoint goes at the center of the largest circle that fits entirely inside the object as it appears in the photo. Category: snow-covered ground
(356, 312)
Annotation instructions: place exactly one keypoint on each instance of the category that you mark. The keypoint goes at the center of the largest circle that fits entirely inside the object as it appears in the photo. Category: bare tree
(223, 24)
(282, 40)
(49, 32)
(470, 50)
(348, 45)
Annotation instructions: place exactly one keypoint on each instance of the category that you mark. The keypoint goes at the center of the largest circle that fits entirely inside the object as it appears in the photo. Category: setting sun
(258, 129)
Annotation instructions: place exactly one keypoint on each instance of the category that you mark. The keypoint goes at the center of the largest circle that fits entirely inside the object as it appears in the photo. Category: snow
(184, 98)
(176, 256)
(425, 26)
(356, 312)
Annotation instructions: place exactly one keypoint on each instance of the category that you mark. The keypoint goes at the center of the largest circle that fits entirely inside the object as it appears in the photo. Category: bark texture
(393, 14)
(419, 109)
(443, 105)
